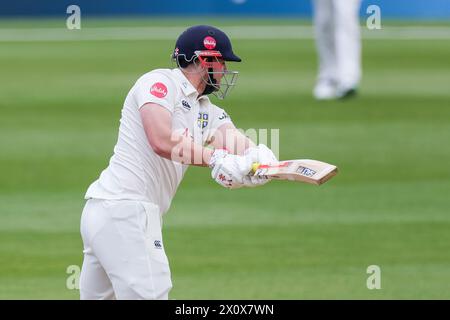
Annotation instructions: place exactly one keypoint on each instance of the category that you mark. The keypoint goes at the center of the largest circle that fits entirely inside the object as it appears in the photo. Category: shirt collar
(186, 86)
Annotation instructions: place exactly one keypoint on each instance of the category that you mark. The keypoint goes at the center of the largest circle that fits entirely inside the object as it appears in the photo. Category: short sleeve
(156, 88)
(219, 117)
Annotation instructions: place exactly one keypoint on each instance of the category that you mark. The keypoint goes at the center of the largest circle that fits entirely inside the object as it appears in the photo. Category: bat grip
(255, 167)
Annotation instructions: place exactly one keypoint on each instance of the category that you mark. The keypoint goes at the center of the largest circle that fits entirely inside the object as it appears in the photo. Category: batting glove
(263, 155)
(229, 170)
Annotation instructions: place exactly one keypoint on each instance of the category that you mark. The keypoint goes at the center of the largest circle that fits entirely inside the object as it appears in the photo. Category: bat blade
(302, 170)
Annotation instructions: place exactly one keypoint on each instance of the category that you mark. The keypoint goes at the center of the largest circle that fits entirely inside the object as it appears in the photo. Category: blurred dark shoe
(347, 94)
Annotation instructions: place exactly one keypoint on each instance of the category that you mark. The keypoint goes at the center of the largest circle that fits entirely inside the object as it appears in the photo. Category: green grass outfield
(60, 105)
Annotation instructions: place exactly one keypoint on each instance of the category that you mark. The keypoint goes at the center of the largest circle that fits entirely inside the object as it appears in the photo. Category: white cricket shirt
(135, 171)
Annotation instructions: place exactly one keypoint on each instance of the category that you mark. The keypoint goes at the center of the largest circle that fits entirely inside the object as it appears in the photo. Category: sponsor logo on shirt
(202, 120)
(186, 105)
(157, 244)
(209, 43)
(223, 116)
(159, 90)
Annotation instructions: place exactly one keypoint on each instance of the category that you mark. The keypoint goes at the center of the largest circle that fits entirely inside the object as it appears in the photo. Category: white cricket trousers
(124, 256)
(338, 41)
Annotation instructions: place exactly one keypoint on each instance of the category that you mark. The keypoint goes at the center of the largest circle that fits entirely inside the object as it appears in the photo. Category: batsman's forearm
(232, 139)
(184, 150)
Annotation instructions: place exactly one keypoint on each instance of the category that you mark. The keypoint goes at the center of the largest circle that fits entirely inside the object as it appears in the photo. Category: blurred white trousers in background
(338, 42)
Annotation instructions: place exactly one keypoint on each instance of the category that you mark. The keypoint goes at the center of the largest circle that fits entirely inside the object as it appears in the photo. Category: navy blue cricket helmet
(207, 45)
(202, 38)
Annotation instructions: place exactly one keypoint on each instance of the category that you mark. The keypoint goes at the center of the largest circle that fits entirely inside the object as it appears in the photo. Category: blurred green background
(60, 105)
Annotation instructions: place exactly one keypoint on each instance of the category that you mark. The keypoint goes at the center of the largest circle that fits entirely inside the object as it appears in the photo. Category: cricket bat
(302, 170)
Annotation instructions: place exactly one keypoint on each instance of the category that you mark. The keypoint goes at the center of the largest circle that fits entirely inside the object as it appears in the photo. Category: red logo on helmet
(159, 90)
(209, 43)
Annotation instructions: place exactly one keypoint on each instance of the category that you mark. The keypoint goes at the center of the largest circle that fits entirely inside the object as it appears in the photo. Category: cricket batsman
(167, 123)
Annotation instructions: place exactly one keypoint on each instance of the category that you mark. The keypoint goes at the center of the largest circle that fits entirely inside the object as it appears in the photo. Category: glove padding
(263, 155)
(229, 170)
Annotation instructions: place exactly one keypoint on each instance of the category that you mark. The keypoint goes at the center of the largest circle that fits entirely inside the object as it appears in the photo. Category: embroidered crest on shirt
(202, 120)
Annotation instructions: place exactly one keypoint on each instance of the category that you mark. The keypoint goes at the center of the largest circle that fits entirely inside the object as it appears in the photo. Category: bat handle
(255, 167)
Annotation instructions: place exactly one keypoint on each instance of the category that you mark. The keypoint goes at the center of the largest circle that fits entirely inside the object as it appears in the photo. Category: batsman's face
(219, 67)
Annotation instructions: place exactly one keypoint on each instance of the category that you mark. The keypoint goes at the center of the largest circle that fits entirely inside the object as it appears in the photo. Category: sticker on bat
(307, 172)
